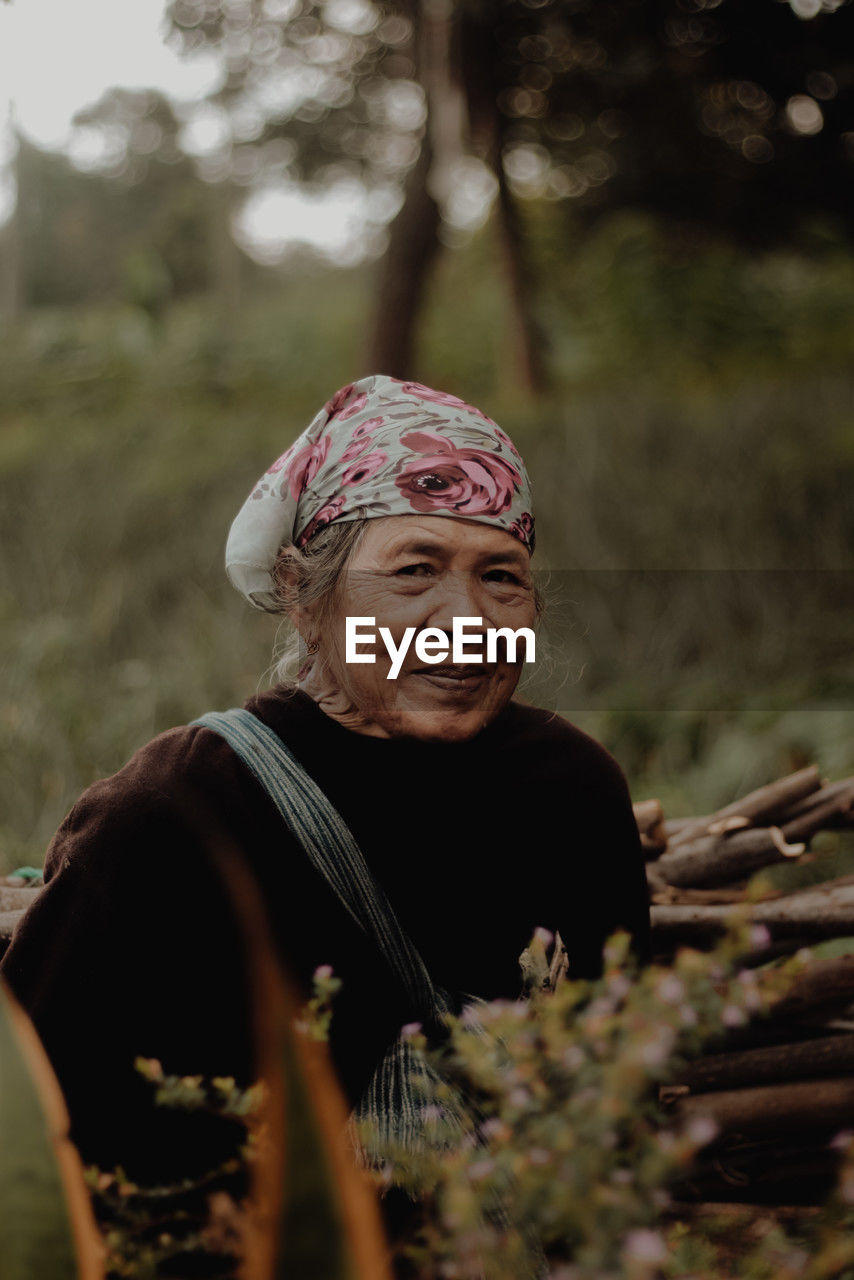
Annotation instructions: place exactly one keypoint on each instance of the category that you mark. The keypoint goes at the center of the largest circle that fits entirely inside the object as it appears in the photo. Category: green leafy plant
(46, 1224)
(570, 1161)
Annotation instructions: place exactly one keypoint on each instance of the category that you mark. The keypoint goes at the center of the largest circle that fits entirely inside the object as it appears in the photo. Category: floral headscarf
(379, 447)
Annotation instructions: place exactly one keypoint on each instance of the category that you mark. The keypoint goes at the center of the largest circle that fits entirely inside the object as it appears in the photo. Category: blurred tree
(729, 117)
(186, 220)
(712, 114)
(130, 218)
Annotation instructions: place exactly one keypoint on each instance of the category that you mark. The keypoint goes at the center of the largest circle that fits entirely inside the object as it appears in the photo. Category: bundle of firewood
(780, 1088)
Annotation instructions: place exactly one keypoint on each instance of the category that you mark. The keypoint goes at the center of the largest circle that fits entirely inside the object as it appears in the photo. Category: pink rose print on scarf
(366, 467)
(306, 465)
(340, 398)
(361, 439)
(523, 529)
(470, 481)
(327, 513)
(281, 461)
(505, 439)
(441, 397)
(359, 403)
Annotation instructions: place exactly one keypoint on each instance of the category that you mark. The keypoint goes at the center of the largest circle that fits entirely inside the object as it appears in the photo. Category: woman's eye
(502, 575)
(415, 570)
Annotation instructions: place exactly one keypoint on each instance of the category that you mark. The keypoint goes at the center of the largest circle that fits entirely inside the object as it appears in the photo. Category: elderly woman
(478, 818)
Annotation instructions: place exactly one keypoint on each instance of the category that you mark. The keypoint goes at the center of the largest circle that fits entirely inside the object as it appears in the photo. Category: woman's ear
(289, 578)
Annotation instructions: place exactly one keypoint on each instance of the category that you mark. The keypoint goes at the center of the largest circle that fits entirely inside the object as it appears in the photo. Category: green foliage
(317, 1014)
(572, 1160)
(570, 1156)
(196, 1226)
(143, 229)
(125, 453)
(717, 116)
(45, 1225)
(192, 1228)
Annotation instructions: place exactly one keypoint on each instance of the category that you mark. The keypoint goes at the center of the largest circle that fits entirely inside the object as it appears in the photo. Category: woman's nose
(456, 596)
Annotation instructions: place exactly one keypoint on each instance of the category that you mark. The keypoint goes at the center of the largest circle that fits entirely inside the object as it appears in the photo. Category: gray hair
(315, 578)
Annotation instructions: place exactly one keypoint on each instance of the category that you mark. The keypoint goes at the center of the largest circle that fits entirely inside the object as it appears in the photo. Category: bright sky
(57, 56)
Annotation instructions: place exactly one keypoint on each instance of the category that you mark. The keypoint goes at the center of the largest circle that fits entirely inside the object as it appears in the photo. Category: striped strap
(329, 844)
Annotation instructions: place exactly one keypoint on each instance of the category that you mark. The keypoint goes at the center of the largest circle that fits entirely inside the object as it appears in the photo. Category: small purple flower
(572, 1057)
(322, 972)
(645, 1246)
(760, 937)
(619, 986)
(701, 1130)
(752, 999)
(411, 1029)
(732, 1016)
(671, 989)
(480, 1169)
(545, 936)
(656, 1052)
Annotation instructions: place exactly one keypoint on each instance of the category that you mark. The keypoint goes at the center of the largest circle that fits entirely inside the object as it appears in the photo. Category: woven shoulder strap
(329, 844)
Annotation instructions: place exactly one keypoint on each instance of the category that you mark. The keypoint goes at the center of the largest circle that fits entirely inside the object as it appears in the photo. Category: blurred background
(622, 227)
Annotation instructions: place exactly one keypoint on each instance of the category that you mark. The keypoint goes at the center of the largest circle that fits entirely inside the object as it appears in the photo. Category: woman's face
(423, 571)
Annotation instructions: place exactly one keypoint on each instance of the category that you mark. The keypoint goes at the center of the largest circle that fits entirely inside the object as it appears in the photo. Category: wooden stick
(774, 1064)
(673, 826)
(8, 921)
(715, 860)
(830, 811)
(17, 899)
(738, 1210)
(663, 893)
(763, 804)
(800, 1107)
(648, 815)
(828, 792)
(823, 911)
(824, 985)
(774, 1172)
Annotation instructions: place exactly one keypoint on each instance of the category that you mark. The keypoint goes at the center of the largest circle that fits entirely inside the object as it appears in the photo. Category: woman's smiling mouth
(457, 679)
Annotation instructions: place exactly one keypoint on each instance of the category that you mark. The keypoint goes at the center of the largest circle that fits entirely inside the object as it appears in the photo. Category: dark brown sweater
(133, 949)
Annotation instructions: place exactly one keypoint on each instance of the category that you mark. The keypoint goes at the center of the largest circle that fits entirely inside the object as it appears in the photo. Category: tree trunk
(528, 339)
(404, 271)
(226, 272)
(477, 60)
(412, 250)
